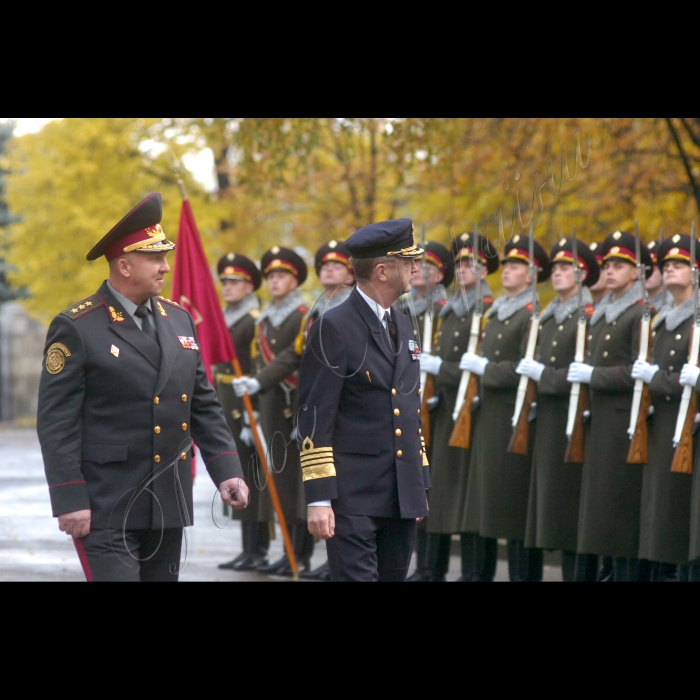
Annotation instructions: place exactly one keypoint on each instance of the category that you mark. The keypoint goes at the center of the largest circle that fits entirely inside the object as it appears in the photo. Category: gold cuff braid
(316, 462)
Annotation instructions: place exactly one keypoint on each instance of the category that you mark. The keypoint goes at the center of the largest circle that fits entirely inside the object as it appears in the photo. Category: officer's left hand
(530, 368)
(644, 371)
(246, 385)
(234, 493)
(471, 362)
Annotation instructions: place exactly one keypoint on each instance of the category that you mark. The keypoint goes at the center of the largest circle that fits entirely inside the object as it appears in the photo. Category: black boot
(479, 557)
(259, 540)
(631, 569)
(585, 567)
(689, 573)
(524, 563)
(607, 571)
(245, 554)
(303, 545)
(320, 573)
(436, 559)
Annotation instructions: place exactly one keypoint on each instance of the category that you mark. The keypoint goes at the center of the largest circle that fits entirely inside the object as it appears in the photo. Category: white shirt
(381, 314)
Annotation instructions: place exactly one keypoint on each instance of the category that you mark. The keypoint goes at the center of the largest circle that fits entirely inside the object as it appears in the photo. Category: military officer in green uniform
(611, 488)
(665, 517)
(555, 486)
(275, 378)
(123, 394)
(240, 278)
(499, 482)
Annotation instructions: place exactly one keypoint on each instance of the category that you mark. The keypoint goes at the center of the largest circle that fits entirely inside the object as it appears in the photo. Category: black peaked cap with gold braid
(395, 237)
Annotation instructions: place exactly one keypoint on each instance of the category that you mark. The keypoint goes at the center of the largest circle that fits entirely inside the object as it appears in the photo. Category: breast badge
(56, 358)
(413, 350)
(188, 342)
(115, 351)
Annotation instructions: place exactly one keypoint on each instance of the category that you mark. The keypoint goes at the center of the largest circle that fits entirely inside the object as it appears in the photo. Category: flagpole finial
(177, 169)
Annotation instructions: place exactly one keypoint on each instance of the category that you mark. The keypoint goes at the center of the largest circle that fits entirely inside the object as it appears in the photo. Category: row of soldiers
(639, 521)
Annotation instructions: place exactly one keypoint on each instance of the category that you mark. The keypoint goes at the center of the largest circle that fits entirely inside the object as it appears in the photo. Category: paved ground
(33, 549)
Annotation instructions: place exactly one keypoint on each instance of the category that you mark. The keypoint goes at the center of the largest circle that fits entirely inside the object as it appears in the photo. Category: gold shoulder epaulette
(254, 313)
(83, 307)
(316, 462)
(170, 301)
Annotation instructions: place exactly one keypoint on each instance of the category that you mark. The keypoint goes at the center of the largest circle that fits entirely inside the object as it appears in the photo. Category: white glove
(246, 385)
(579, 372)
(247, 436)
(471, 362)
(641, 369)
(530, 368)
(246, 417)
(430, 364)
(689, 375)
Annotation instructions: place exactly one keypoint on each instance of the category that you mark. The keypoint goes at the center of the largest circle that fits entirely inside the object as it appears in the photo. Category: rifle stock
(520, 439)
(574, 449)
(428, 393)
(462, 432)
(639, 448)
(683, 456)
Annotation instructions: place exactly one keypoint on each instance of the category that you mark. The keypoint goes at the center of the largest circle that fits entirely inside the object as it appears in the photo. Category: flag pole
(274, 496)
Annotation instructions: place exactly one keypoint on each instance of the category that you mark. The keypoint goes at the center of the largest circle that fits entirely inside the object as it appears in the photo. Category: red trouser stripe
(82, 555)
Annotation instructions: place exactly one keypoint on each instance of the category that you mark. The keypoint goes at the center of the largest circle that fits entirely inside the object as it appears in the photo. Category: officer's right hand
(75, 524)
(321, 521)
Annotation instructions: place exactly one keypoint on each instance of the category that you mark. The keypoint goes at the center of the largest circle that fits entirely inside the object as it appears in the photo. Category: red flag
(193, 288)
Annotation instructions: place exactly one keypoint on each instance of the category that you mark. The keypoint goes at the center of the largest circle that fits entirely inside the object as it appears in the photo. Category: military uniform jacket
(360, 430)
(665, 517)
(611, 489)
(499, 482)
(555, 486)
(116, 411)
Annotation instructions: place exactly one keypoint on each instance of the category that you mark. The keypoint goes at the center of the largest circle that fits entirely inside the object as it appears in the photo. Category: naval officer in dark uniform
(123, 394)
(360, 434)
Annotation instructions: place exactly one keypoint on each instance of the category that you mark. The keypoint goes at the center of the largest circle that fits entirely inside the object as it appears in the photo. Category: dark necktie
(146, 326)
(391, 327)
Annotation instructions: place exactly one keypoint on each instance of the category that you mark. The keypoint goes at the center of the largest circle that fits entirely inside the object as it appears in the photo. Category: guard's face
(618, 274)
(234, 291)
(464, 274)
(280, 283)
(515, 275)
(333, 273)
(146, 272)
(676, 274)
(562, 276)
(426, 274)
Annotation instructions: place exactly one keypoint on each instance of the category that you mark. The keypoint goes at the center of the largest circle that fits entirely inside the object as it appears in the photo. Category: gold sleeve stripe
(321, 459)
(225, 378)
(425, 460)
(318, 471)
(316, 450)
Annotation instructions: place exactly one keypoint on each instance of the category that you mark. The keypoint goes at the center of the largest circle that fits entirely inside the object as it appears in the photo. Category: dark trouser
(479, 556)
(579, 567)
(104, 556)
(663, 573)
(302, 542)
(631, 569)
(256, 537)
(524, 563)
(364, 548)
(689, 573)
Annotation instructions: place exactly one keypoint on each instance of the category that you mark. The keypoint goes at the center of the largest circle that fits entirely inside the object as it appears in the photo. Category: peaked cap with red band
(139, 231)
(462, 248)
(563, 252)
(234, 266)
(438, 255)
(284, 259)
(621, 245)
(518, 250)
(677, 247)
(333, 251)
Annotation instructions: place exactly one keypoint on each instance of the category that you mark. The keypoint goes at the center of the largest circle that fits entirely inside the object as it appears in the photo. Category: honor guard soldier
(123, 394)
(611, 488)
(665, 518)
(360, 431)
(425, 300)
(555, 486)
(450, 465)
(658, 296)
(598, 290)
(275, 377)
(499, 481)
(240, 278)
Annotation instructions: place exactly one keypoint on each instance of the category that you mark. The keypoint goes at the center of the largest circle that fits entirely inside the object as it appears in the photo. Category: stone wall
(21, 357)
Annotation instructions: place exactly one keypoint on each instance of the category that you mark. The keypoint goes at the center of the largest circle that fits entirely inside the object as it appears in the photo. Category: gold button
(415, 332)
(607, 337)
(418, 411)
(614, 323)
(439, 333)
(393, 392)
(554, 343)
(653, 334)
(184, 398)
(499, 336)
(156, 401)
(673, 352)
(437, 348)
(398, 413)
(670, 369)
(540, 326)
(399, 453)
(498, 352)
(590, 337)
(156, 459)
(184, 426)
(464, 319)
(678, 336)
(420, 453)
(552, 359)
(668, 398)
(455, 348)
(183, 456)
(456, 334)
(156, 430)
(561, 328)
(420, 391)
(274, 341)
(506, 322)
(605, 354)
(398, 432)
(420, 430)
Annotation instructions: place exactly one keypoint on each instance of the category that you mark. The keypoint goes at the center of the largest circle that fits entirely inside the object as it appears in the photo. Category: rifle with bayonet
(641, 398)
(527, 388)
(683, 436)
(578, 398)
(469, 382)
(427, 381)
